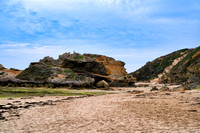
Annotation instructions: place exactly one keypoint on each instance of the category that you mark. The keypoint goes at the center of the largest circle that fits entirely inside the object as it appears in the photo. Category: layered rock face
(75, 70)
(88, 63)
(176, 67)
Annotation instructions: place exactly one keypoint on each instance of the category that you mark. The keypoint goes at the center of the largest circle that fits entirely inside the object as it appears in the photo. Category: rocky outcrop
(112, 66)
(49, 61)
(88, 63)
(192, 82)
(36, 72)
(8, 74)
(41, 73)
(1, 67)
(92, 63)
(74, 70)
(8, 77)
(82, 64)
(176, 67)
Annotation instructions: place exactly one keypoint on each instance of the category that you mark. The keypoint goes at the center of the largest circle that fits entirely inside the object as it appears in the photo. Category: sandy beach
(120, 112)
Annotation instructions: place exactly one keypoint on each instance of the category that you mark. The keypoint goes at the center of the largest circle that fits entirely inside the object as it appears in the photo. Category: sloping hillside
(172, 68)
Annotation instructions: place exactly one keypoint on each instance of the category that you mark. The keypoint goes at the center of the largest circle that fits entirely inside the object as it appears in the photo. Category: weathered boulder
(178, 88)
(164, 88)
(154, 88)
(102, 84)
(1, 72)
(193, 85)
(2, 67)
(135, 91)
(192, 82)
(193, 79)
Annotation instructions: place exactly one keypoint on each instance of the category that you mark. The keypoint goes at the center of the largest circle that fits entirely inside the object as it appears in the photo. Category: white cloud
(14, 45)
(35, 50)
(122, 7)
(104, 21)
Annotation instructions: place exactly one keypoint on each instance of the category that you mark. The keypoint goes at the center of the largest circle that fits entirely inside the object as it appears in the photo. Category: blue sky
(134, 31)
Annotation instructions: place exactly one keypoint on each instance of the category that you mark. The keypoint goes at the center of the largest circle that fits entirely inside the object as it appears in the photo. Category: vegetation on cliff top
(188, 66)
(157, 66)
(39, 72)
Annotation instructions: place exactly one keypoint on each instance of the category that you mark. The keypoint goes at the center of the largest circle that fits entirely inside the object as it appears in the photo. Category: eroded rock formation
(74, 70)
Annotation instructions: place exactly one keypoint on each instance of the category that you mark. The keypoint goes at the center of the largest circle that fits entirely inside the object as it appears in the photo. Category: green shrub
(71, 76)
(198, 88)
(35, 73)
(67, 70)
(78, 57)
(185, 62)
(80, 77)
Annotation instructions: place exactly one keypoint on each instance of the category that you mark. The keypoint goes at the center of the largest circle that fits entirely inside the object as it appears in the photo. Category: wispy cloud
(134, 31)
(11, 45)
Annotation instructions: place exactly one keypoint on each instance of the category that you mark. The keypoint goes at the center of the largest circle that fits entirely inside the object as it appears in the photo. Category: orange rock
(12, 71)
(112, 66)
(197, 53)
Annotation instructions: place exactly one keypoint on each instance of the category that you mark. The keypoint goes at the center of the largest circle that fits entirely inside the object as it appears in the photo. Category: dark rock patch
(164, 88)
(13, 108)
(14, 69)
(192, 82)
(2, 67)
(154, 88)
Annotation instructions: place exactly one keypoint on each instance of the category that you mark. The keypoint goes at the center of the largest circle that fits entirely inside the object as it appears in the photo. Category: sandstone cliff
(72, 70)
